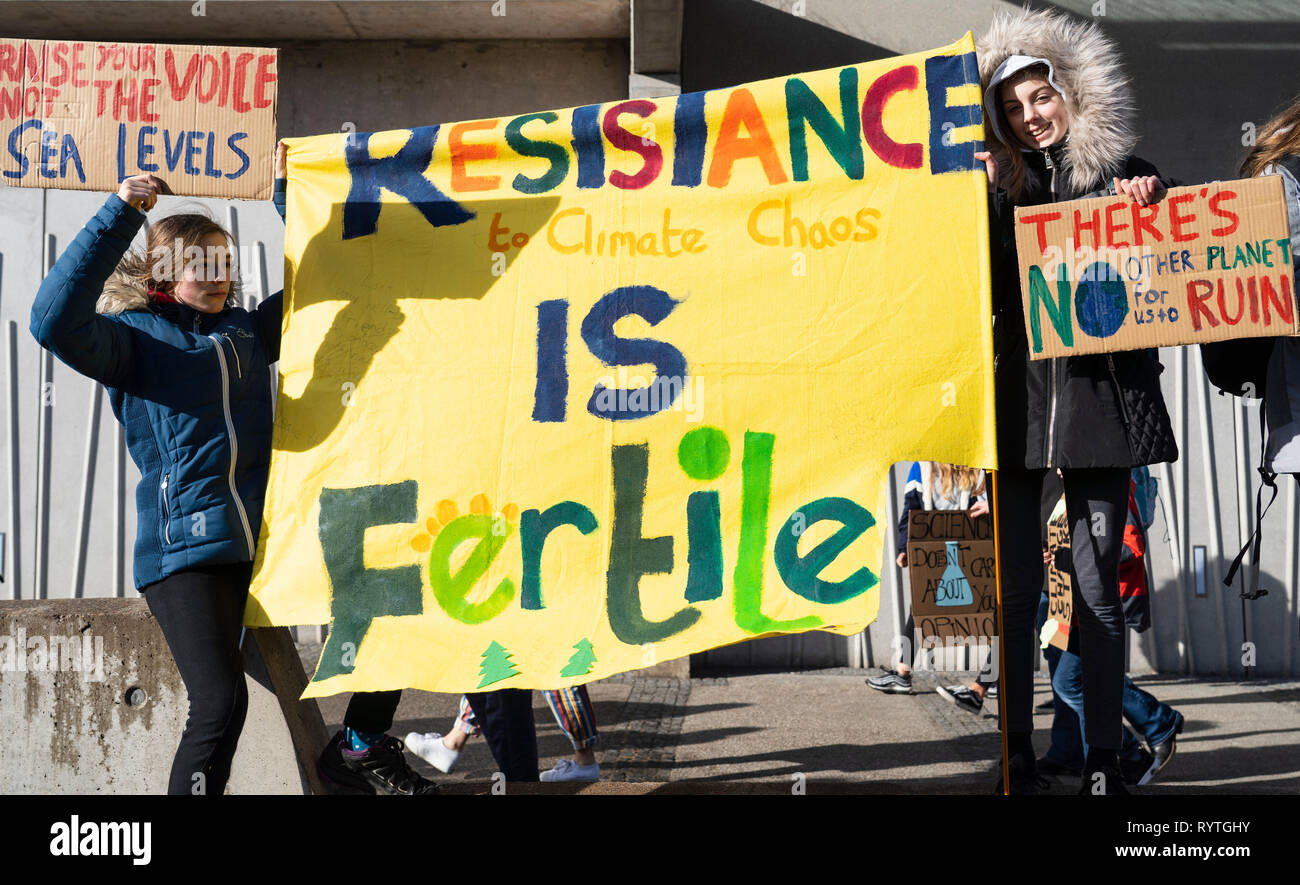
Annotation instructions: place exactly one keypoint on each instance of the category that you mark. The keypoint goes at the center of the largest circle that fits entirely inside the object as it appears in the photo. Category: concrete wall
(108, 720)
(393, 84)
(277, 22)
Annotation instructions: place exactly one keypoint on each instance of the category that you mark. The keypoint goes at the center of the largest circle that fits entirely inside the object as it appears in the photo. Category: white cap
(1012, 65)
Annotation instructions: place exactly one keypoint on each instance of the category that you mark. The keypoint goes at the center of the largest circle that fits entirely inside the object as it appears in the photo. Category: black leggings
(201, 612)
(1097, 506)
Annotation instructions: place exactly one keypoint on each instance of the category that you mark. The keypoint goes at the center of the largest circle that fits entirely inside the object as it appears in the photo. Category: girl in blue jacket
(188, 373)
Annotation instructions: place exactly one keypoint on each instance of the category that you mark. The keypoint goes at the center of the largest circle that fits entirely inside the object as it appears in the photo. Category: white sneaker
(431, 749)
(568, 770)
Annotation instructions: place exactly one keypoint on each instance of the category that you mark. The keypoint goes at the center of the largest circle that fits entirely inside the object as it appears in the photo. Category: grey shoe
(892, 681)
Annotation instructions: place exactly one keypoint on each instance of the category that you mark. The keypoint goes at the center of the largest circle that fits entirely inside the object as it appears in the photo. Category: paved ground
(826, 731)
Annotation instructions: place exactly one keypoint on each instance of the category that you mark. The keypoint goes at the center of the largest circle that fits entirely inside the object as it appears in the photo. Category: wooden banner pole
(1001, 640)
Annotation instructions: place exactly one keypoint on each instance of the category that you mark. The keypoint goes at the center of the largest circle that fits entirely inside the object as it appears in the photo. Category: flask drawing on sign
(954, 588)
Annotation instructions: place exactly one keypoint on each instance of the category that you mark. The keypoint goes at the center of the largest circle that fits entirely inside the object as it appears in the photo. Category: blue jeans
(1155, 720)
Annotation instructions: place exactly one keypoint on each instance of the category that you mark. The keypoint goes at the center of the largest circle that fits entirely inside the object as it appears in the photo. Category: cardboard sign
(1060, 589)
(952, 569)
(1204, 263)
(568, 393)
(83, 115)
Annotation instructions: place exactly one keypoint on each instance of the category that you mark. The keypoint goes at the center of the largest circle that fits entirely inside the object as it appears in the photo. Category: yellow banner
(570, 393)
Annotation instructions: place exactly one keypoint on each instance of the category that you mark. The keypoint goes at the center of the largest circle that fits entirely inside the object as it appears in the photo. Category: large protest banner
(1203, 263)
(573, 392)
(83, 115)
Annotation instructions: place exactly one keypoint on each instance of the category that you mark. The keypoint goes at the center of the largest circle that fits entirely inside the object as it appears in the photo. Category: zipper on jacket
(1051, 412)
(239, 372)
(1058, 361)
(1051, 167)
(234, 442)
(166, 509)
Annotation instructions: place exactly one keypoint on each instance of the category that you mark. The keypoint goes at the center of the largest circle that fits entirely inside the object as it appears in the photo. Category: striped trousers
(571, 708)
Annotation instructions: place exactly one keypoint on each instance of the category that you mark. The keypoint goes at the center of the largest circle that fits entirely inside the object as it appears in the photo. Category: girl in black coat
(1059, 110)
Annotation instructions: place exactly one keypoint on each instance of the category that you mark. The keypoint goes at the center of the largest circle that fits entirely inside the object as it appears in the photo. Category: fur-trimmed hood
(122, 293)
(1087, 65)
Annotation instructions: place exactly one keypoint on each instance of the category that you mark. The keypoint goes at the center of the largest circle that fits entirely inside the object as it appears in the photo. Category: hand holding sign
(1145, 189)
(141, 191)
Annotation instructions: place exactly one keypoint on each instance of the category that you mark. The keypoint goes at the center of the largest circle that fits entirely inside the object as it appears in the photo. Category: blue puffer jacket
(193, 391)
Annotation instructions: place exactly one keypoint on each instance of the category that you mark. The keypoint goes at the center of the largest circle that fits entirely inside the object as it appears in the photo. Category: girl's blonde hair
(1013, 161)
(1279, 137)
(170, 244)
(965, 479)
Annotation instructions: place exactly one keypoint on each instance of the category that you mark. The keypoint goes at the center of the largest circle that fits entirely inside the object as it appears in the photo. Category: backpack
(1133, 594)
(1240, 367)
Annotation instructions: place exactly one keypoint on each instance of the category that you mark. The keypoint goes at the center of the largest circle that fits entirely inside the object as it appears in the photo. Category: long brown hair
(1012, 160)
(966, 479)
(1277, 138)
(169, 246)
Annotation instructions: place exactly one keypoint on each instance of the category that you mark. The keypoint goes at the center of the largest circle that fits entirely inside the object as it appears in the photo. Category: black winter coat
(1095, 410)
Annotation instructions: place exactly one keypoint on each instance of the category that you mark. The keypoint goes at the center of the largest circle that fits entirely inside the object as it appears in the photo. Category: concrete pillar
(656, 49)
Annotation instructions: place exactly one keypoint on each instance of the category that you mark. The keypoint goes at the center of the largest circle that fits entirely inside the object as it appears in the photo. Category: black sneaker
(1025, 780)
(962, 696)
(1163, 752)
(380, 769)
(1107, 780)
(1137, 771)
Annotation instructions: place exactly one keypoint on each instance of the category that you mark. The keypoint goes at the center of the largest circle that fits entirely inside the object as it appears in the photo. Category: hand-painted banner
(570, 393)
(84, 115)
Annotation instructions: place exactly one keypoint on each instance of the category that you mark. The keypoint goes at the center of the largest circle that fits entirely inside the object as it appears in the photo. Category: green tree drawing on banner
(496, 665)
(581, 661)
